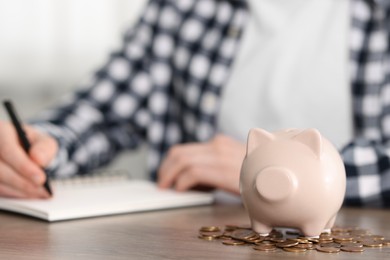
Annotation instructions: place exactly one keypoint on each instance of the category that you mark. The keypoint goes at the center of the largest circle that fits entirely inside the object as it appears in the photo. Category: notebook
(81, 199)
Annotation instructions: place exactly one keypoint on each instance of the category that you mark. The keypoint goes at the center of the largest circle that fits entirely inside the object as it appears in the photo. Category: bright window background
(47, 47)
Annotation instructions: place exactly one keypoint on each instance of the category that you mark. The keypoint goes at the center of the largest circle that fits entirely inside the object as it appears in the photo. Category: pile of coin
(352, 239)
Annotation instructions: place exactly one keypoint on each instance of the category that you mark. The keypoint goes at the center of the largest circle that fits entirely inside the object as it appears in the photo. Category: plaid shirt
(163, 87)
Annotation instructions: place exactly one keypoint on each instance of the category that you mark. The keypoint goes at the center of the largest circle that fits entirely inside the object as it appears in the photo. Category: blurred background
(47, 48)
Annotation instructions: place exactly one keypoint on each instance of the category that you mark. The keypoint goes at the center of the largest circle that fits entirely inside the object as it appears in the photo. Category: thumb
(43, 150)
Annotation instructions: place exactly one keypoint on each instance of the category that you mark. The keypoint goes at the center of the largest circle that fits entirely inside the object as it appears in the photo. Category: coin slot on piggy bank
(292, 178)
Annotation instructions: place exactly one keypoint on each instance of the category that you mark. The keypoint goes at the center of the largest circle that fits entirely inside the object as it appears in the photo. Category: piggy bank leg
(330, 224)
(260, 228)
(313, 229)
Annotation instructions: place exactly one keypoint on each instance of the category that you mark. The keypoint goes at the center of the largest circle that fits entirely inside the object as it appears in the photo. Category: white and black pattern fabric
(164, 86)
(161, 88)
(367, 157)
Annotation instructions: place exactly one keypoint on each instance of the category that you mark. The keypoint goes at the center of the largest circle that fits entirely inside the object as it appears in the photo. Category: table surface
(169, 234)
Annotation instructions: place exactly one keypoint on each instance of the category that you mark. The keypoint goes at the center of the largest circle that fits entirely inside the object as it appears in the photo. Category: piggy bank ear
(312, 138)
(257, 137)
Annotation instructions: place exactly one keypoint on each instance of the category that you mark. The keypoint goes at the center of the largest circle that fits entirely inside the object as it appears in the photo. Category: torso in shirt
(291, 70)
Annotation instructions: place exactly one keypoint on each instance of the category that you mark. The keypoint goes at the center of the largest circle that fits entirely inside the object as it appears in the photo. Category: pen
(22, 136)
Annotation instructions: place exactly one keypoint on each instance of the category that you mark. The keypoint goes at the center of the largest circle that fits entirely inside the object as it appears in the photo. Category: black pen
(22, 136)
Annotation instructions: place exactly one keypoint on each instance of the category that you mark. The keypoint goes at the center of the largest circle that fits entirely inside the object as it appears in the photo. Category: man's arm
(108, 114)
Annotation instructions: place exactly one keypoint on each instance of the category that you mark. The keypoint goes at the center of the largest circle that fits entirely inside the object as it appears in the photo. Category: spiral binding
(94, 178)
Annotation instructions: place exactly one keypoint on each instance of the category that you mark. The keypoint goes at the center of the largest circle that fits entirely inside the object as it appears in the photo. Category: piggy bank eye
(276, 183)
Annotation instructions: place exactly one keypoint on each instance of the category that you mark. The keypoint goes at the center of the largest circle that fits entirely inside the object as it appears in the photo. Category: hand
(216, 163)
(21, 174)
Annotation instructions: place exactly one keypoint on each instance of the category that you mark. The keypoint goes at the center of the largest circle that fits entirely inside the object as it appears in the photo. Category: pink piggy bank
(292, 178)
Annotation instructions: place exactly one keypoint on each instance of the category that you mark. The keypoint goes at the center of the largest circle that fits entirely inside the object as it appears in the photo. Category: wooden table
(170, 234)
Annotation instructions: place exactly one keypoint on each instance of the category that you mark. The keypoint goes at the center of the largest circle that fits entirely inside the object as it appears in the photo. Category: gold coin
(209, 229)
(331, 244)
(386, 242)
(359, 232)
(326, 249)
(325, 236)
(294, 249)
(287, 243)
(351, 239)
(259, 239)
(265, 248)
(353, 244)
(352, 249)
(338, 229)
(214, 234)
(364, 237)
(277, 240)
(231, 227)
(372, 244)
(232, 242)
(302, 240)
(363, 240)
(275, 234)
(206, 237)
(313, 240)
(254, 237)
(343, 238)
(227, 233)
(305, 246)
(243, 234)
(377, 237)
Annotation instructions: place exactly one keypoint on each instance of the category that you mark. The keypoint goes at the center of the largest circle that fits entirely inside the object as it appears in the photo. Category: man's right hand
(21, 174)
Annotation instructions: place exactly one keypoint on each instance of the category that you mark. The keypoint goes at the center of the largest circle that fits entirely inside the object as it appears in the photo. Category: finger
(178, 159)
(6, 191)
(196, 176)
(43, 150)
(13, 155)
(186, 181)
(10, 179)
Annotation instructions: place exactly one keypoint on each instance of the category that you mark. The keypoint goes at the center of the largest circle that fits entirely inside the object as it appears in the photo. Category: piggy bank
(292, 178)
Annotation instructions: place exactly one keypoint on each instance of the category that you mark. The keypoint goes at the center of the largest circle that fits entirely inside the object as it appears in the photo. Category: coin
(386, 242)
(313, 240)
(265, 248)
(353, 244)
(243, 234)
(343, 238)
(305, 246)
(214, 234)
(294, 249)
(287, 243)
(325, 236)
(372, 244)
(277, 240)
(331, 244)
(326, 249)
(359, 232)
(346, 239)
(206, 237)
(377, 237)
(275, 234)
(232, 242)
(303, 240)
(352, 249)
(209, 229)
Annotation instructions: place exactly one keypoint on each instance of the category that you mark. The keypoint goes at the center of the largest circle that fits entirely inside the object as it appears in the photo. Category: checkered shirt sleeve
(106, 115)
(367, 157)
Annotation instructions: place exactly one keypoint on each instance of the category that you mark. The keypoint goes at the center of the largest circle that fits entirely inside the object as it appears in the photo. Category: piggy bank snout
(275, 184)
